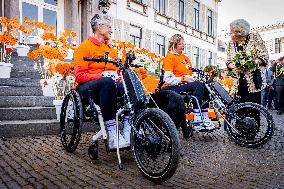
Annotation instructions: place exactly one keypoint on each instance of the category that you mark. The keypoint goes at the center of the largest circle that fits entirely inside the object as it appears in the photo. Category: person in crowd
(251, 82)
(269, 90)
(91, 77)
(278, 70)
(179, 78)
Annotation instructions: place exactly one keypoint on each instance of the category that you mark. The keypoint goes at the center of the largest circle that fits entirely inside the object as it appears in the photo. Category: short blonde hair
(174, 40)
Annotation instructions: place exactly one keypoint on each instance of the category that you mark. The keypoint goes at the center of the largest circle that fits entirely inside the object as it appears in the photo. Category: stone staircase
(24, 111)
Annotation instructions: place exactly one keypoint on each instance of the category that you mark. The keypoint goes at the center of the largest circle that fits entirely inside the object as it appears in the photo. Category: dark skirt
(244, 93)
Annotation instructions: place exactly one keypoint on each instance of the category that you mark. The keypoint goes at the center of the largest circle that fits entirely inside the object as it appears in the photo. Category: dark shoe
(279, 112)
(187, 132)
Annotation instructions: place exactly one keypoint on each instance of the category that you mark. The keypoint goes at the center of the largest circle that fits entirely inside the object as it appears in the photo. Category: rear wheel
(251, 124)
(155, 144)
(71, 120)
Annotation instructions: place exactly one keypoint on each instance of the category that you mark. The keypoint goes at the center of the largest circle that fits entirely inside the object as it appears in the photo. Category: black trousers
(248, 97)
(197, 89)
(280, 97)
(104, 92)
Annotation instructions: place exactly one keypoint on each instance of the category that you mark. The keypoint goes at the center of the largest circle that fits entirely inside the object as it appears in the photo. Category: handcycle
(154, 139)
(247, 124)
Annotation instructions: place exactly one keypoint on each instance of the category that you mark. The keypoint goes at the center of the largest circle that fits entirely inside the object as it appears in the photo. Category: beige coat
(261, 58)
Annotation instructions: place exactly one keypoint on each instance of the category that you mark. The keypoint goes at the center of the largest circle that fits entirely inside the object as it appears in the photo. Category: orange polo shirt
(88, 70)
(176, 63)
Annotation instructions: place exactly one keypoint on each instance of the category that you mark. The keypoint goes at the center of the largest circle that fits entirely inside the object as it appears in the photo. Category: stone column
(12, 9)
(75, 24)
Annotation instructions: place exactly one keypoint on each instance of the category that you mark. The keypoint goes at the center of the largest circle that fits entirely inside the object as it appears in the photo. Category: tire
(250, 130)
(146, 130)
(71, 120)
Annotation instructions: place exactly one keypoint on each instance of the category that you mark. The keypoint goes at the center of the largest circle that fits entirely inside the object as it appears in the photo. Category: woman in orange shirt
(92, 78)
(179, 79)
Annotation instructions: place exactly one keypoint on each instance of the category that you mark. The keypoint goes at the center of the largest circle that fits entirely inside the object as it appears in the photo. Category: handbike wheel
(251, 124)
(71, 120)
(155, 145)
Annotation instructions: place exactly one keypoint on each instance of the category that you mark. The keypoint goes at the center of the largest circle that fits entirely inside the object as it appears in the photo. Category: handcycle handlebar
(102, 59)
(203, 75)
(128, 62)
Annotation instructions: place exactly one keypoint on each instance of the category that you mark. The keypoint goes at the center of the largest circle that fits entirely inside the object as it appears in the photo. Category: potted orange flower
(63, 81)
(23, 49)
(8, 38)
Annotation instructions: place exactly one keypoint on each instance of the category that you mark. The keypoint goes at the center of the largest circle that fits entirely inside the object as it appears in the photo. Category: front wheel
(155, 144)
(251, 125)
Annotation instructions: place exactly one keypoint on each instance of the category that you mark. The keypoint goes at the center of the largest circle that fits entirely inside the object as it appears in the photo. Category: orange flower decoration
(64, 68)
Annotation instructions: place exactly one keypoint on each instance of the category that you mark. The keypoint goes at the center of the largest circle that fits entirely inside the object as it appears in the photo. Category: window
(136, 36)
(279, 45)
(210, 22)
(210, 57)
(50, 17)
(160, 44)
(30, 11)
(196, 15)
(40, 11)
(161, 6)
(181, 11)
(196, 58)
(52, 2)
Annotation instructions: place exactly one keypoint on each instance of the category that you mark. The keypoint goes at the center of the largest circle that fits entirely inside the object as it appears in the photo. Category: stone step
(25, 101)
(20, 91)
(17, 128)
(26, 113)
(25, 74)
(26, 68)
(22, 82)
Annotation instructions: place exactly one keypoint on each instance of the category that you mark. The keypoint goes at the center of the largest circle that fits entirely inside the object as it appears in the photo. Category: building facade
(146, 23)
(273, 36)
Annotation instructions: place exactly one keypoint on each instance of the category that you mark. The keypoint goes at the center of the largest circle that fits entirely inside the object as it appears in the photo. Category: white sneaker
(208, 122)
(112, 139)
(197, 115)
(126, 131)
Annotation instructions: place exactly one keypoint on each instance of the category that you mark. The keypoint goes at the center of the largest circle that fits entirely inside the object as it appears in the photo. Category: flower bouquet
(244, 61)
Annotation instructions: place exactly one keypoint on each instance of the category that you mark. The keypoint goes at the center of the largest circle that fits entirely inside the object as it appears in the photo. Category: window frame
(41, 5)
(196, 15)
(210, 22)
(210, 57)
(196, 55)
(160, 6)
(135, 37)
(161, 47)
(181, 11)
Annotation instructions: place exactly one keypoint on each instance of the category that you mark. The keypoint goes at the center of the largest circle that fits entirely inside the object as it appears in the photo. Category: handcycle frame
(225, 107)
(128, 106)
(153, 133)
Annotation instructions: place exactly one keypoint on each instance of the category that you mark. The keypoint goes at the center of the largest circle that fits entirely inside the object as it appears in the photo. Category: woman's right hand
(231, 66)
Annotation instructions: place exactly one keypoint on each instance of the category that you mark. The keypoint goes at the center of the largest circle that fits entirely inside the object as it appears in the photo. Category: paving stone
(209, 161)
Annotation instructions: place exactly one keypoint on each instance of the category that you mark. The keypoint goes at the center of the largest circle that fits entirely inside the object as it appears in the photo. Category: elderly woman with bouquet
(247, 57)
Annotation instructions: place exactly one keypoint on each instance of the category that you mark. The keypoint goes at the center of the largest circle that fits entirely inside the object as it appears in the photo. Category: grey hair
(242, 25)
(99, 19)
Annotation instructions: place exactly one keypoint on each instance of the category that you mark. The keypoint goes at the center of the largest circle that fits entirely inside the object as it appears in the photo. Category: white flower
(243, 62)
(248, 53)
